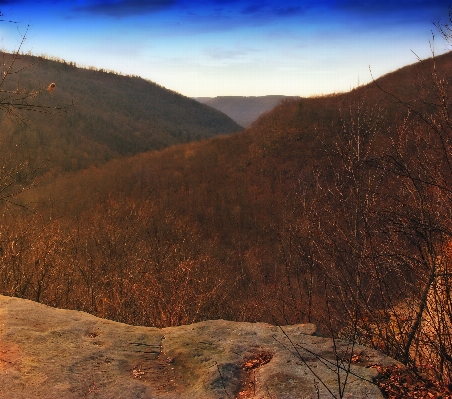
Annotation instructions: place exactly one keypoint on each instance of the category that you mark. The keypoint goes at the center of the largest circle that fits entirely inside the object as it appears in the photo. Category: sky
(209, 48)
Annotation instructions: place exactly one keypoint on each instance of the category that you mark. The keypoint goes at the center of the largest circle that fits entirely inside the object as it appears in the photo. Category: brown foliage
(400, 382)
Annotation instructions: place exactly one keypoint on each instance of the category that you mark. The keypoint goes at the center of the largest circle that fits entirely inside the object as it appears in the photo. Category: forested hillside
(334, 210)
(104, 115)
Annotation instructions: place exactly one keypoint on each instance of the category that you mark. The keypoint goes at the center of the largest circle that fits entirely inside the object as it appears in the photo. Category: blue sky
(232, 47)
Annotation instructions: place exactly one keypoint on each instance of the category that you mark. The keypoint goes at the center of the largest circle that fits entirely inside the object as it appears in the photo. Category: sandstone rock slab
(56, 353)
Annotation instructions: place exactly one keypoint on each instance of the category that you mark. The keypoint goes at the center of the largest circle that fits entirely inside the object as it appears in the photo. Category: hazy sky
(232, 47)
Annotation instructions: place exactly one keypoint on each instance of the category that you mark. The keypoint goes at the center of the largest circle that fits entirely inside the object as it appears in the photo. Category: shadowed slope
(108, 115)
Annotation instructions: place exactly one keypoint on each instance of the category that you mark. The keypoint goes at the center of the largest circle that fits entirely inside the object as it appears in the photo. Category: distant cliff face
(243, 110)
(54, 353)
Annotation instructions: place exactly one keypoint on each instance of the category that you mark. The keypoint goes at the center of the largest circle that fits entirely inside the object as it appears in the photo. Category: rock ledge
(56, 353)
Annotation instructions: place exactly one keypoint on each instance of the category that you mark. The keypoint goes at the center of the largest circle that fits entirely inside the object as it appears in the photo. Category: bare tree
(15, 103)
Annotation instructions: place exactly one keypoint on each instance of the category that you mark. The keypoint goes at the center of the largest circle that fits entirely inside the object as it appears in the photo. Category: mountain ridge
(244, 109)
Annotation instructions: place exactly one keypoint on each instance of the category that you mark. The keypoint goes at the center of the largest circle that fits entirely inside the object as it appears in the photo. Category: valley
(333, 210)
